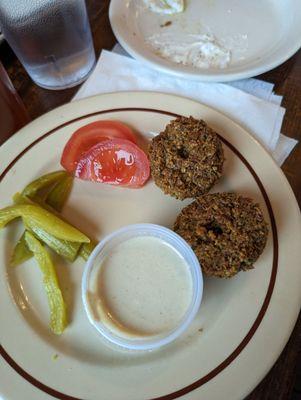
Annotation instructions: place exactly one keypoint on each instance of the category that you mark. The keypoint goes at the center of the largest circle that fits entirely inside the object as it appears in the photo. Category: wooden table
(279, 383)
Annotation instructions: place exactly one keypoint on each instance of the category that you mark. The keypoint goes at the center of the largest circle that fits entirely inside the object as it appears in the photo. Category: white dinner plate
(243, 323)
(261, 34)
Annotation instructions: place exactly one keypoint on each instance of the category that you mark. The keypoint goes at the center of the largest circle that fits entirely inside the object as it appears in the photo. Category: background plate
(261, 34)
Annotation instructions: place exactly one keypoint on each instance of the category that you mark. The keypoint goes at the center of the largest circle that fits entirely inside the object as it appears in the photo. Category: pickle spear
(43, 182)
(86, 249)
(43, 219)
(21, 252)
(58, 196)
(58, 315)
(64, 248)
(55, 188)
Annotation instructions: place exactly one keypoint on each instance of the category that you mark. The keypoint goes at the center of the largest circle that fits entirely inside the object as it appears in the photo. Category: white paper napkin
(250, 102)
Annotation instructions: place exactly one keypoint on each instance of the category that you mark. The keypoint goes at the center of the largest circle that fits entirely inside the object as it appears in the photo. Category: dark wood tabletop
(283, 382)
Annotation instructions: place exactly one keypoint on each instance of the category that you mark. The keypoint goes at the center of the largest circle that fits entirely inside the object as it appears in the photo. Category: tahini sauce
(144, 287)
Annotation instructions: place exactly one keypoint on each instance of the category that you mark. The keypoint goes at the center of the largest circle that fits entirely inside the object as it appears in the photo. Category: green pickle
(58, 314)
(43, 182)
(55, 200)
(7, 214)
(66, 249)
(41, 218)
(21, 252)
(58, 196)
(19, 199)
(38, 206)
(86, 249)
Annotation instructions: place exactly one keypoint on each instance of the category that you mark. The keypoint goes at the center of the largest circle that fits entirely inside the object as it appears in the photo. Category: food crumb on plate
(167, 23)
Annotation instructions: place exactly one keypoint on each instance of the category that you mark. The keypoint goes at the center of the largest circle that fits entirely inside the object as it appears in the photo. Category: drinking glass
(51, 38)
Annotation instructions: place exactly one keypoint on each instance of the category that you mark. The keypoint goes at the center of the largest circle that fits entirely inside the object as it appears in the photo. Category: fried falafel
(186, 158)
(226, 231)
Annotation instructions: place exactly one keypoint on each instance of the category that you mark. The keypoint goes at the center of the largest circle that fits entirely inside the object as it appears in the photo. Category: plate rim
(198, 75)
(53, 112)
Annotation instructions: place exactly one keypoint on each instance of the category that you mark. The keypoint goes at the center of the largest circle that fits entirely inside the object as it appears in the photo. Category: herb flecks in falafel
(226, 231)
(186, 158)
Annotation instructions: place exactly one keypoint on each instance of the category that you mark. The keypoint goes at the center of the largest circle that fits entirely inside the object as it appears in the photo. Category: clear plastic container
(94, 264)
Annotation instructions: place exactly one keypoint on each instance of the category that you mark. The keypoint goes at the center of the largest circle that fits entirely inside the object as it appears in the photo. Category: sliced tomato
(116, 162)
(89, 135)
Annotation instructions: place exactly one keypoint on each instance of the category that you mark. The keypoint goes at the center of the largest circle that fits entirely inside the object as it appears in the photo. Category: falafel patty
(226, 231)
(186, 158)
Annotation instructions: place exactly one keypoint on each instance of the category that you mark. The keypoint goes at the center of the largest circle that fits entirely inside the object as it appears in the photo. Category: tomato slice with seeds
(116, 162)
(89, 135)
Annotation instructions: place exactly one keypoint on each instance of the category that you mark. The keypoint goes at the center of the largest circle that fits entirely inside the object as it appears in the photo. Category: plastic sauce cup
(94, 264)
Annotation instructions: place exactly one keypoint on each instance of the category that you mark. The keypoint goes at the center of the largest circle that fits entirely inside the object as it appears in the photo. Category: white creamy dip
(196, 50)
(165, 6)
(143, 287)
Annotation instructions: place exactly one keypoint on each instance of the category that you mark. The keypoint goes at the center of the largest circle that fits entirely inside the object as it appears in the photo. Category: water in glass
(51, 38)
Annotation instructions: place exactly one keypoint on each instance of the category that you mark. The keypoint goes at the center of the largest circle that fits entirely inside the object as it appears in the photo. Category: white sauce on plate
(143, 288)
(165, 6)
(196, 50)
